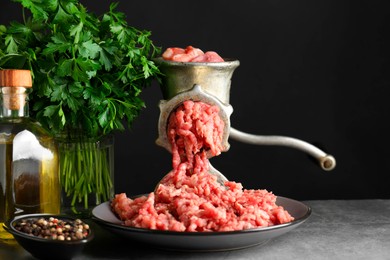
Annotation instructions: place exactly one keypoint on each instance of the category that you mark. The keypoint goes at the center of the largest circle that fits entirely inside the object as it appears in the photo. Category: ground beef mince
(190, 54)
(189, 198)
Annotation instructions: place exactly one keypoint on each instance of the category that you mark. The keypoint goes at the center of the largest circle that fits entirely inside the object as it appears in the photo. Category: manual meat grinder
(210, 83)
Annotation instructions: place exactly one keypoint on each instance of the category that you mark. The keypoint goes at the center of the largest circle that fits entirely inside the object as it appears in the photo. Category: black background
(314, 70)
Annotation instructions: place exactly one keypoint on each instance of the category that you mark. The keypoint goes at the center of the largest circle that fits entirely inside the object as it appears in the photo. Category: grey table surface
(336, 229)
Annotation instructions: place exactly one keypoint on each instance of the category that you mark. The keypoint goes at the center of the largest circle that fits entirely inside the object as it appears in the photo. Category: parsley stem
(86, 172)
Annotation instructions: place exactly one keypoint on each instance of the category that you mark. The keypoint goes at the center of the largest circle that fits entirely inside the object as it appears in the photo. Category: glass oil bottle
(29, 181)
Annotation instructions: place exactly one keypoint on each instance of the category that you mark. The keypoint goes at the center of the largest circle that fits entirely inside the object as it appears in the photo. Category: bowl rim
(9, 226)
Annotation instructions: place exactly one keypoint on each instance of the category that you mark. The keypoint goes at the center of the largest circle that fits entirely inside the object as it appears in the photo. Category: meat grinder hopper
(210, 83)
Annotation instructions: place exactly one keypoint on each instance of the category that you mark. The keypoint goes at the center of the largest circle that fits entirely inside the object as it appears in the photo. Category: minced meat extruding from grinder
(191, 199)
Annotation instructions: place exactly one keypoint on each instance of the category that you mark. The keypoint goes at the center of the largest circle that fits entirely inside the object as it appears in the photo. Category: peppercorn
(54, 228)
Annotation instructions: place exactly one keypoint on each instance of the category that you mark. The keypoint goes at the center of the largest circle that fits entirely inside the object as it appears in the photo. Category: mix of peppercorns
(54, 228)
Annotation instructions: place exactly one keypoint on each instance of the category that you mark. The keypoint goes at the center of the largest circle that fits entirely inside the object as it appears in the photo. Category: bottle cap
(14, 83)
(15, 78)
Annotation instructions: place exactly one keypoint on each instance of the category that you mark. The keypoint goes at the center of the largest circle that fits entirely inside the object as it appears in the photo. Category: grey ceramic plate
(198, 241)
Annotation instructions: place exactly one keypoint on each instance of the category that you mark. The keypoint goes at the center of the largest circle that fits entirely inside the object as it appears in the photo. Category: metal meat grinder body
(210, 83)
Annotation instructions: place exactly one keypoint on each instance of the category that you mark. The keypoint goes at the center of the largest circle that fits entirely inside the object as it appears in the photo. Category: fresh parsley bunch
(88, 71)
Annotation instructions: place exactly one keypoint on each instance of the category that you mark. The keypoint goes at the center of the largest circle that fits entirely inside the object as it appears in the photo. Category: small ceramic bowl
(47, 248)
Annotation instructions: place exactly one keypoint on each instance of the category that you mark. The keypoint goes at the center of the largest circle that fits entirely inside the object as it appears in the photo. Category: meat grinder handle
(326, 161)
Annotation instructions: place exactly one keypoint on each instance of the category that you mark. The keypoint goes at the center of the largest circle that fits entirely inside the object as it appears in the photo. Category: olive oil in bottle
(29, 181)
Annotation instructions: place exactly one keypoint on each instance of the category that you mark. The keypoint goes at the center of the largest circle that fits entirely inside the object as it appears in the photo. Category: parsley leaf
(88, 71)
